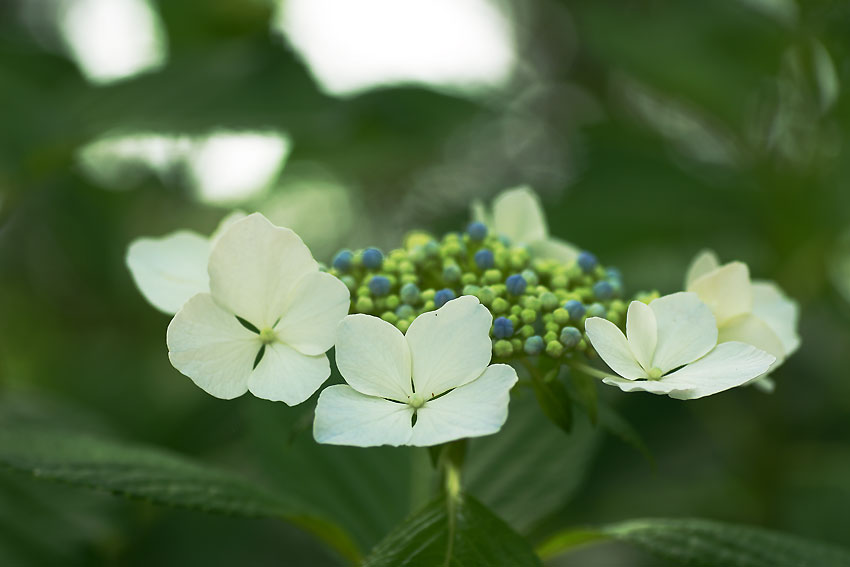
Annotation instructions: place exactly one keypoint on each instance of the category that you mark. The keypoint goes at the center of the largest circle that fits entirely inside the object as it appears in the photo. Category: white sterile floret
(171, 269)
(265, 276)
(756, 313)
(518, 215)
(430, 386)
(670, 347)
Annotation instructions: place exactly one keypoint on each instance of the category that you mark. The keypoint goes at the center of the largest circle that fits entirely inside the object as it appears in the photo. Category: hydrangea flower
(171, 269)
(670, 347)
(430, 386)
(517, 214)
(267, 321)
(756, 313)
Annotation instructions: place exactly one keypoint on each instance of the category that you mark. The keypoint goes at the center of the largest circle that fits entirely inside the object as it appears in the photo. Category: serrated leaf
(153, 475)
(530, 468)
(705, 543)
(465, 534)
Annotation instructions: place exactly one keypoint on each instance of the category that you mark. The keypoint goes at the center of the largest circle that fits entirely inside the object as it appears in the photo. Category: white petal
(753, 331)
(686, 330)
(480, 213)
(652, 386)
(612, 346)
(346, 417)
(450, 346)
(765, 384)
(476, 409)
(703, 263)
(208, 344)
(311, 316)
(373, 357)
(554, 249)
(779, 312)
(518, 215)
(170, 270)
(727, 290)
(286, 375)
(225, 223)
(642, 332)
(254, 267)
(727, 366)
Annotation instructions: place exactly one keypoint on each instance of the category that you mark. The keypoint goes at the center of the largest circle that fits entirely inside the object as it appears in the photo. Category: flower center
(268, 336)
(655, 373)
(416, 401)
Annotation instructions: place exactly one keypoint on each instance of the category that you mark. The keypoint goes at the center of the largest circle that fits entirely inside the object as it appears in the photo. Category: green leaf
(705, 543)
(616, 424)
(583, 389)
(153, 475)
(530, 468)
(465, 534)
(554, 399)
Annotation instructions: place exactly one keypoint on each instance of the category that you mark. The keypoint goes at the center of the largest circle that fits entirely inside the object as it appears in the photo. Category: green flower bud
(450, 249)
(402, 325)
(500, 305)
(470, 289)
(526, 331)
(364, 291)
(405, 312)
(550, 337)
(349, 282)
(364, 304)
(392, 301)
(516, 309)
(451, 273)
(554, 349)
(428, 295)
(389, 265)
(500, 290)
(528, 316)
(516, 342)
(486, 295)
(561, 316)
(514, 320)
(492, 276)
(531, 302)
(429, 305)
(596, 310)
(503, 348)
(553, 327)
(406, 267)
(519, 258)
(534, 345)
(389, 317)
(530, 276)
(549, 301)
(432, 249)
(559, 282)
(409, 279)
(468, 278)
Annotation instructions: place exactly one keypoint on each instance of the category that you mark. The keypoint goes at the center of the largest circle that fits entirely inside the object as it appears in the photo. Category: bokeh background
(651, 129)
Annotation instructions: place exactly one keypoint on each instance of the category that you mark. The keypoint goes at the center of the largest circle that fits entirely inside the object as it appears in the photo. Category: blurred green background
(651, 129)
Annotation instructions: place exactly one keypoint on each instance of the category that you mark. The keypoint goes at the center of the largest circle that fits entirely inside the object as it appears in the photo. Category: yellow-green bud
(429, 305)
(561, 316)
(470, 289)
(486, 295)
(363, 291)
(554, 349)
(550, 336)
(428, 295)
(468, 278)
(553, 327)
(516, 342)
(389, 317)
(364, 304)
(402, 325)
(514, 320)
(526, 331)
(392, 301)
(500, 305)
(492, 276)
(528, 315)
(549, 301)
(516, 309)
(503, 348)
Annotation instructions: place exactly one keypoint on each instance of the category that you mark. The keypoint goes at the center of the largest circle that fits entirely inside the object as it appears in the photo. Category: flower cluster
(416, 329)
(539, 304)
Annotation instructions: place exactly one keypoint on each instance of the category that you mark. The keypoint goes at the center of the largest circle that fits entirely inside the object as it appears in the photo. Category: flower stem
(589, 370)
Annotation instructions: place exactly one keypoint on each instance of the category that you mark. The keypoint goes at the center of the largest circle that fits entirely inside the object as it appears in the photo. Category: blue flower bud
(477, 231)
(516, 285)
(451, 273)
(404, 312)
(587, 261)
(442, 297)
(409, 293)
(596, 310)
(570, 336)
(432, 249)
(614, 273)
(503, 328)
(379, 285)
(575, 308)
(534, 345)
(484, 259)
(603, 290)
(342, 261)
(372, 258)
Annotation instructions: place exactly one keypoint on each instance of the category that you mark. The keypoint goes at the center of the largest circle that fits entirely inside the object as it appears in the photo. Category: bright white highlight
(222, 168)
(354, 46)
(113, 39)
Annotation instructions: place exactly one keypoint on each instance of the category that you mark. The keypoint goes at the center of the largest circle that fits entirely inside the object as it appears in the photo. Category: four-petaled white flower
(756, 313)
(672, 349)
(517, 215)
(428, 387)
(171, 269)
(265, 276)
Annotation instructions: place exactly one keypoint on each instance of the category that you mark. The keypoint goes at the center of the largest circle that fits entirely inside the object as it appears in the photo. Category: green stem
(589, 370)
